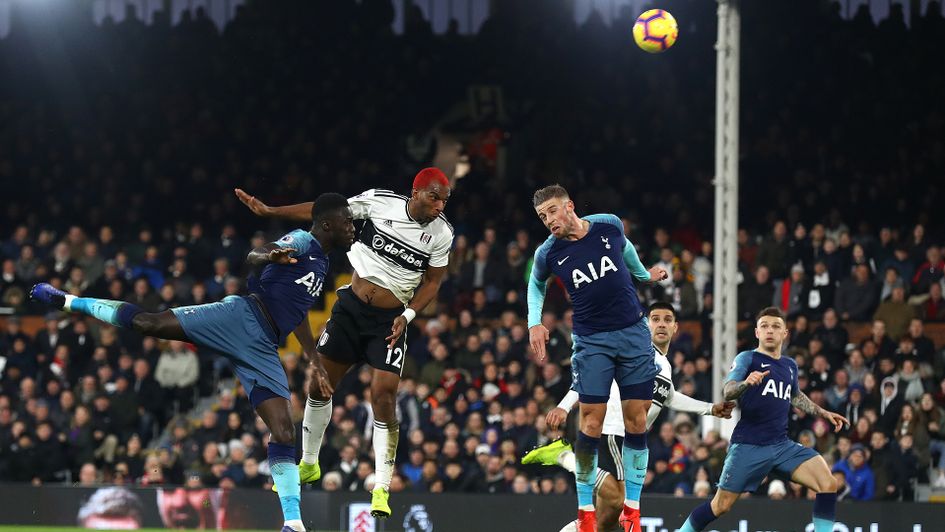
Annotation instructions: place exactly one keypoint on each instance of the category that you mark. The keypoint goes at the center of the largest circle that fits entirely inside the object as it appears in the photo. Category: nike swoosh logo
(560, 262)
(765, 365)
(312, 258)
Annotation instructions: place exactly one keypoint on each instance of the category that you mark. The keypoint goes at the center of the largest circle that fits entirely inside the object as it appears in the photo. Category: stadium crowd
(117, 184)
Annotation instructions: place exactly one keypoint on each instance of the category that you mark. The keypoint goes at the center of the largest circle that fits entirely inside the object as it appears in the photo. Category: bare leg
(609, 503)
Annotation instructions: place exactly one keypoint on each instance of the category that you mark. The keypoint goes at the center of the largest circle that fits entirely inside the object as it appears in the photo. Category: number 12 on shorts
(399, 353)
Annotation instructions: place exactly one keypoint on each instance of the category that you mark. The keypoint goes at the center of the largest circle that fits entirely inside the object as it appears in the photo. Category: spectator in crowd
(933, 308)
(177, 371)
(856, 296)
(819, 292)
(930, 272)
(857, 474)
(788, 292)
(755, 293)
(774, 253)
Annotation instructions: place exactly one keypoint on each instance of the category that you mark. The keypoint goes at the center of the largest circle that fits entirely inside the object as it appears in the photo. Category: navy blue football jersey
(764, 408)
(596, 270)
(289, 290)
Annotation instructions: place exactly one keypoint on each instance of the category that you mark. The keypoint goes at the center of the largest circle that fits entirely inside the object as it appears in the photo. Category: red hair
(430, 176)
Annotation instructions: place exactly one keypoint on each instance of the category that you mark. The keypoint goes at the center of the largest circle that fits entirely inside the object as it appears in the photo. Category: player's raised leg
(815, 474)
(317, 415)
(118, 313)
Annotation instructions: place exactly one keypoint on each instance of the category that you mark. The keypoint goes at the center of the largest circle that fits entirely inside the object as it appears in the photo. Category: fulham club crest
(425, 238)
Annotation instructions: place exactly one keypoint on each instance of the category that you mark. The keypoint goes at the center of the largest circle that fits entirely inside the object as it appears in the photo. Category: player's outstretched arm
(803, 403)
(271, 253)
(683, 403)
(301, 212)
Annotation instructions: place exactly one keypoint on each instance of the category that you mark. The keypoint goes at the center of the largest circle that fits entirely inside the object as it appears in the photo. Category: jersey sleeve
(683, 403)
(632, 260)
(441, 253)
(536, 285)
(298, 240)
(362, 204)
(740, 365)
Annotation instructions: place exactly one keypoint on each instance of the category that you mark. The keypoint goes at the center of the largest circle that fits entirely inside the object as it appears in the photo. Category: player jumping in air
(247, 330)
(765, 385)
(405, 242)
(611, 339)
(609, 488)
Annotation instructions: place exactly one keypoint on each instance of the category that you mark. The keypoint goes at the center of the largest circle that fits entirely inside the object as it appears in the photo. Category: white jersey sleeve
(440, 256)
(362, 204)
(665, 395)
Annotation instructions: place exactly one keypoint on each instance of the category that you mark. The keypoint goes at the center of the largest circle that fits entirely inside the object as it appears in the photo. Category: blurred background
(125, 126)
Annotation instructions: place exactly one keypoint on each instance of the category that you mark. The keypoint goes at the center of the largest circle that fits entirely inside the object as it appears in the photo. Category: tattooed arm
(803, 403)
(732, 390)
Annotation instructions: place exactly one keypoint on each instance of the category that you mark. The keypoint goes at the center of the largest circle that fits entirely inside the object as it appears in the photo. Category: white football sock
(317, 417)
(386, 436)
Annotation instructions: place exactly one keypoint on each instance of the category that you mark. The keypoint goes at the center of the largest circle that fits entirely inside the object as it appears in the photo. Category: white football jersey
(663, 389)
(393, 250)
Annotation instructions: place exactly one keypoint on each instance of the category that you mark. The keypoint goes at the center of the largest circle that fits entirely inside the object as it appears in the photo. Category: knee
(721, 505)
(635, 416)
(283, 433)
(828, 485)
(614, 497)
(383, 403)
(145, 323)
(591, 426)
(636, 424)
(315, 392)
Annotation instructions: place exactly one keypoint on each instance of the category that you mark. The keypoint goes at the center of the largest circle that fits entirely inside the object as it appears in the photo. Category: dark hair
(771, 311)
(661, 305)
(551, 191)
(327, 203)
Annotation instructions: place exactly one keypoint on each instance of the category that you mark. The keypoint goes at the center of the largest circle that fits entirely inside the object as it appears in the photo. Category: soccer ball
(655, 31)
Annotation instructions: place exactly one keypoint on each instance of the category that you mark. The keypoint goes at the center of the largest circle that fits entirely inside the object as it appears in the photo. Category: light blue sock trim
(285, 475)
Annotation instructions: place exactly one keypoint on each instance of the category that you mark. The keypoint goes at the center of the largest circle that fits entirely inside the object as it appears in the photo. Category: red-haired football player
(404, 243)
